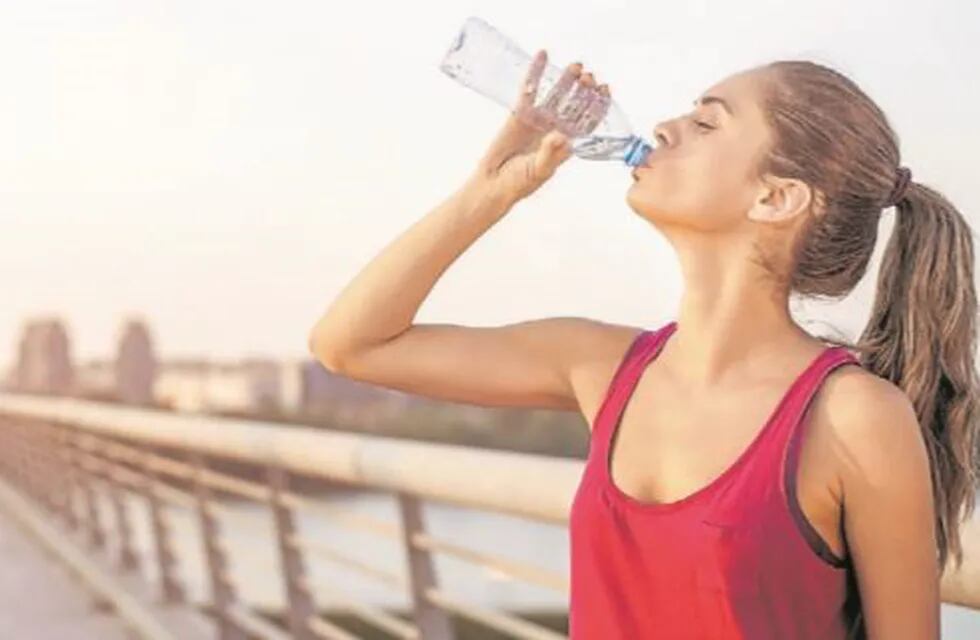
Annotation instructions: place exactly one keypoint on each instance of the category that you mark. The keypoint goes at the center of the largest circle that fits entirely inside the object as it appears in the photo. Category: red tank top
(736, 559)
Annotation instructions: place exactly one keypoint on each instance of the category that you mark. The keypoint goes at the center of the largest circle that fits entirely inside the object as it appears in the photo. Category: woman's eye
(704, 125)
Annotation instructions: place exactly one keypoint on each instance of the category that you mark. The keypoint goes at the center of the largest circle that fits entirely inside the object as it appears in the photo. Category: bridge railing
(87, 460)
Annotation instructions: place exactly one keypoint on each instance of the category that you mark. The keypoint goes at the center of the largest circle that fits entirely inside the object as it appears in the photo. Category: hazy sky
(223, 168)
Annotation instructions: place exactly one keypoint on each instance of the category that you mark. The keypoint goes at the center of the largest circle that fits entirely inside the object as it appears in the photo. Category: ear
(780, 199)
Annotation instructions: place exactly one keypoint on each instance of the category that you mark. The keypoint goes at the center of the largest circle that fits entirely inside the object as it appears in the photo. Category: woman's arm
(889, 516)
(367, 333)
(381, 302)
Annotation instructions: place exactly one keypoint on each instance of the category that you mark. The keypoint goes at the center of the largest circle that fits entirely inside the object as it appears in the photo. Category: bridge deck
(42, 600)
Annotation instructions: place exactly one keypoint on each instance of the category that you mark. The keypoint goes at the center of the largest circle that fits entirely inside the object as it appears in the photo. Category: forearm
(383, 299)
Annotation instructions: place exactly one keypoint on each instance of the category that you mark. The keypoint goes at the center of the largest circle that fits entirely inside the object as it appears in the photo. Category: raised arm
(368, 332)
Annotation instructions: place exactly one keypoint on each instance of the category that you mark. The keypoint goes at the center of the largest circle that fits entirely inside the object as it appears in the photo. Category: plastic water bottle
(488, 62)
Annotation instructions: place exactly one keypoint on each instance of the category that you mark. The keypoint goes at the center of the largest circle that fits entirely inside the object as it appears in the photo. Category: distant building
(264, 384)
(96, 380)
(200, 386)
(44, 359)
(291, 387)
(136, 365)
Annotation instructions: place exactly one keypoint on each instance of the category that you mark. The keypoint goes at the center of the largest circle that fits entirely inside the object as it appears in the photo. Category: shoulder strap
(802, 396)
(644, 347)
(789, 446)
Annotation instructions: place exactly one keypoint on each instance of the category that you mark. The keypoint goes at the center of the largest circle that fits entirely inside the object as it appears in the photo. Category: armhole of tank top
(790, 466)
(635, 353)
(631, 354)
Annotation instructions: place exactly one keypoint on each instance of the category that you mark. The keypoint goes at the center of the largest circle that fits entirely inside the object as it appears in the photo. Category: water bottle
(488, 62)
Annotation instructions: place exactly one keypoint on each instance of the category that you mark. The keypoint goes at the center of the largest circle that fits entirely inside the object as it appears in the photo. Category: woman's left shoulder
(862, 410)
(856, 392)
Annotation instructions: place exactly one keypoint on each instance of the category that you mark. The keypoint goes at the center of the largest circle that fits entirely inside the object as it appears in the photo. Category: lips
(645, 166)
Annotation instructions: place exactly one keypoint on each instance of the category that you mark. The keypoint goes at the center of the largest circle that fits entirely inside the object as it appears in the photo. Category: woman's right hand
(536, 138)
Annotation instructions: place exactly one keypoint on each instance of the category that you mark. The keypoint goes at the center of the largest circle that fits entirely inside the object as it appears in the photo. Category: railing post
(15, 456)
(55, 465)
(5, 446)
(90, 510)
(18, 459)
(222, 589)
(40, 464)
(22, 462)
(68, 460)
(128, 560)
(55, 468)
(299, 601)
(171, 590)
(433, 623)
(35, 463)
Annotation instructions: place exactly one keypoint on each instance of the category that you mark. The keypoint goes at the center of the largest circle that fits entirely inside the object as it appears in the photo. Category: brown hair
(922, 331)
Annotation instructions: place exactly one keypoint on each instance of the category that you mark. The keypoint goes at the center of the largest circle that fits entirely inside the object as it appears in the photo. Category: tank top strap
(782, 447)
(791, 422)
(775, 452)
(644, 348)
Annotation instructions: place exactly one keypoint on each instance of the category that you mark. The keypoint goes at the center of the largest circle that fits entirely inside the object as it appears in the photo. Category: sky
(223, 168)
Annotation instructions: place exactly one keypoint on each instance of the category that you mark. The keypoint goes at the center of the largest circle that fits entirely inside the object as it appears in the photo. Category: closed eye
(704, 125)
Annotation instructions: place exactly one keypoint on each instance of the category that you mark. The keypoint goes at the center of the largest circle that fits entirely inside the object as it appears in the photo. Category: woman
(745, 479)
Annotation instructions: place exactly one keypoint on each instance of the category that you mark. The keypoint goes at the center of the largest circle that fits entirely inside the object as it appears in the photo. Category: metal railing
(77, 457)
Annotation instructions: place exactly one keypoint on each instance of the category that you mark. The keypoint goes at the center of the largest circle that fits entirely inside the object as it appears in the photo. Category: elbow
(313, 342)
(319, 347)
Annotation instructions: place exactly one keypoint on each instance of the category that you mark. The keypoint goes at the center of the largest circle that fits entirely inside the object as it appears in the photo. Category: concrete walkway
(42, 600)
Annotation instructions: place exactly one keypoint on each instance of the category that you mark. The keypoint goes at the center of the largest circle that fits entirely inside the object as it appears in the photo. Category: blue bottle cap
(637, 152)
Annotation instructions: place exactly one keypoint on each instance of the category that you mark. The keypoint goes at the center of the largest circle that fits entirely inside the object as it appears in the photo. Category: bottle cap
(637, 152)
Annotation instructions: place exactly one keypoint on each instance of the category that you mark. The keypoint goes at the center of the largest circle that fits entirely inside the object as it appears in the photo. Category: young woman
(745, 479)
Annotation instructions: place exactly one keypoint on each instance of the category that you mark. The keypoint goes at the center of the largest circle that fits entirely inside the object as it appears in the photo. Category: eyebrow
(709, 99)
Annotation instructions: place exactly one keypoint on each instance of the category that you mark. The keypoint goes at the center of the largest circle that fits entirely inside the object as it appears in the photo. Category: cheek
(722, 180)
(709, 190)
(671, 184)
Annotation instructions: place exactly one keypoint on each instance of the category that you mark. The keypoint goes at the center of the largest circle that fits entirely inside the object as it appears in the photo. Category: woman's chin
(640, 201)
(649, 209)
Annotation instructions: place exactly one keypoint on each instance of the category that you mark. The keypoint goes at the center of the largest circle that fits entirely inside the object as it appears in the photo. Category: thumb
(554, 150)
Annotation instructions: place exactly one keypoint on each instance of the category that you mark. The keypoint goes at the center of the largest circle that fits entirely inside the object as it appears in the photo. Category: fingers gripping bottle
(488, 62)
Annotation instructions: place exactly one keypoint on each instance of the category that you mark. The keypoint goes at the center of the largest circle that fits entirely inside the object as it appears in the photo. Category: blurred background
(187, 185)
